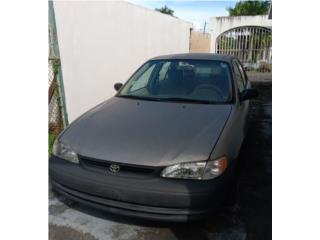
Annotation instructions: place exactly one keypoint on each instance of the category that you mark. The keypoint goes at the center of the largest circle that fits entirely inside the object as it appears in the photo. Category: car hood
(147, 133)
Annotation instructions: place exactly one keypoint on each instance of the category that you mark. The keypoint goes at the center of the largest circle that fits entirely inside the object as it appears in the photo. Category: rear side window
(240, 80)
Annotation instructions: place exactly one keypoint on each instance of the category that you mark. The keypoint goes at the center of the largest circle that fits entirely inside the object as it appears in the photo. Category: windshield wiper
(138, 97)
(169, 99)
(178, 99)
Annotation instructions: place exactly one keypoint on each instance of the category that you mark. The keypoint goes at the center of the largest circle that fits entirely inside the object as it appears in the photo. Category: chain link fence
(55, 109)
(57, 114)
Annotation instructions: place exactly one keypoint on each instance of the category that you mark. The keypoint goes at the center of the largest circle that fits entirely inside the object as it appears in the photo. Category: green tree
(249, 8)
(165, 10)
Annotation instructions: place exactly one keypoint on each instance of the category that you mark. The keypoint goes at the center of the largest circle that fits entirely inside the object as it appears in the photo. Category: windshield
(202, 81)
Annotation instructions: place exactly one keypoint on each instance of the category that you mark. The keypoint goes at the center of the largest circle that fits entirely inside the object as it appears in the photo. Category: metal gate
(251, 44)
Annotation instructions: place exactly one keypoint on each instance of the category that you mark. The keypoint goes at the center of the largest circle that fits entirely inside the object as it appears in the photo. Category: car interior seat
(173, 83)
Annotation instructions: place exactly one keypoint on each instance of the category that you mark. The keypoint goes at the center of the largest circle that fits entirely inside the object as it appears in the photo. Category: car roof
(196, 56)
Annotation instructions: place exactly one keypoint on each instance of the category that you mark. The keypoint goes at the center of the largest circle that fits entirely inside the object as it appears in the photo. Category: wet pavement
(249, 217)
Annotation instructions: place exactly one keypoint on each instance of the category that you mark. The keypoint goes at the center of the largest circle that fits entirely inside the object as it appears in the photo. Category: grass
(52, 137)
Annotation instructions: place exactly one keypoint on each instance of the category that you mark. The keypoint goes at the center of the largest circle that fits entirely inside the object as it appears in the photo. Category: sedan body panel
(148, 133)
(150, 197)
(122, 146)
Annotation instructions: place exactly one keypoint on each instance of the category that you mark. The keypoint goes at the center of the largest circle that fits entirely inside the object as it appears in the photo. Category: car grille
(125, 169)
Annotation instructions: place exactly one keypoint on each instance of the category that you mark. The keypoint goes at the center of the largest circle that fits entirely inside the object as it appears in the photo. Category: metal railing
(251, 44)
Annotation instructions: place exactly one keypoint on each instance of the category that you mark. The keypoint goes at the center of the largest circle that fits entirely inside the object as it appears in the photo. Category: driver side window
(242, 73)
(240, 80)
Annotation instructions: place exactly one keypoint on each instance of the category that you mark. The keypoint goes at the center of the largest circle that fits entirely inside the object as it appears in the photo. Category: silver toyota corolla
(165, 146)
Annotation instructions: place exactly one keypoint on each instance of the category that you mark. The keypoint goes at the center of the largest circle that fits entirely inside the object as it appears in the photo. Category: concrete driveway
(248, 218)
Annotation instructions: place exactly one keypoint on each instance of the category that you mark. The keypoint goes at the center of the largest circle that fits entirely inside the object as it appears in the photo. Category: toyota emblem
(114, 168)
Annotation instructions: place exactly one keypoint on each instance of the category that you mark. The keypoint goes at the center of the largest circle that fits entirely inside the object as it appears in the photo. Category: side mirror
(117, 86)
(248, 94)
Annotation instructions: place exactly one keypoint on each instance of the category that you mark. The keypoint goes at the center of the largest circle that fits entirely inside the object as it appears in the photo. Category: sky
(197, 12)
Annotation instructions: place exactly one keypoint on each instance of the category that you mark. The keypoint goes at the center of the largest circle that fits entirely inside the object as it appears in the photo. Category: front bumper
(151, 197)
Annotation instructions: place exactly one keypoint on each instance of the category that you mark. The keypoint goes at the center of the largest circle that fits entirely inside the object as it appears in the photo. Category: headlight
(64, 151)
(203, 170)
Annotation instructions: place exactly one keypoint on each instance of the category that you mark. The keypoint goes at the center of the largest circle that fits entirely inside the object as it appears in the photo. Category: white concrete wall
(104, 42)
(222, 24)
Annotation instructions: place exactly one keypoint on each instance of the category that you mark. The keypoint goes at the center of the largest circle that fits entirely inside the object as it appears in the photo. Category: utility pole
(204, 28)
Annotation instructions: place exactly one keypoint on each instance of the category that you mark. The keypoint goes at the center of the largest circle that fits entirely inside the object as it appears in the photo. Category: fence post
(55, 54)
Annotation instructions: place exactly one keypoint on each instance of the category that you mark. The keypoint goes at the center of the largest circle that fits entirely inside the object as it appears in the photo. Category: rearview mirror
(248, 94)
(117, 86)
